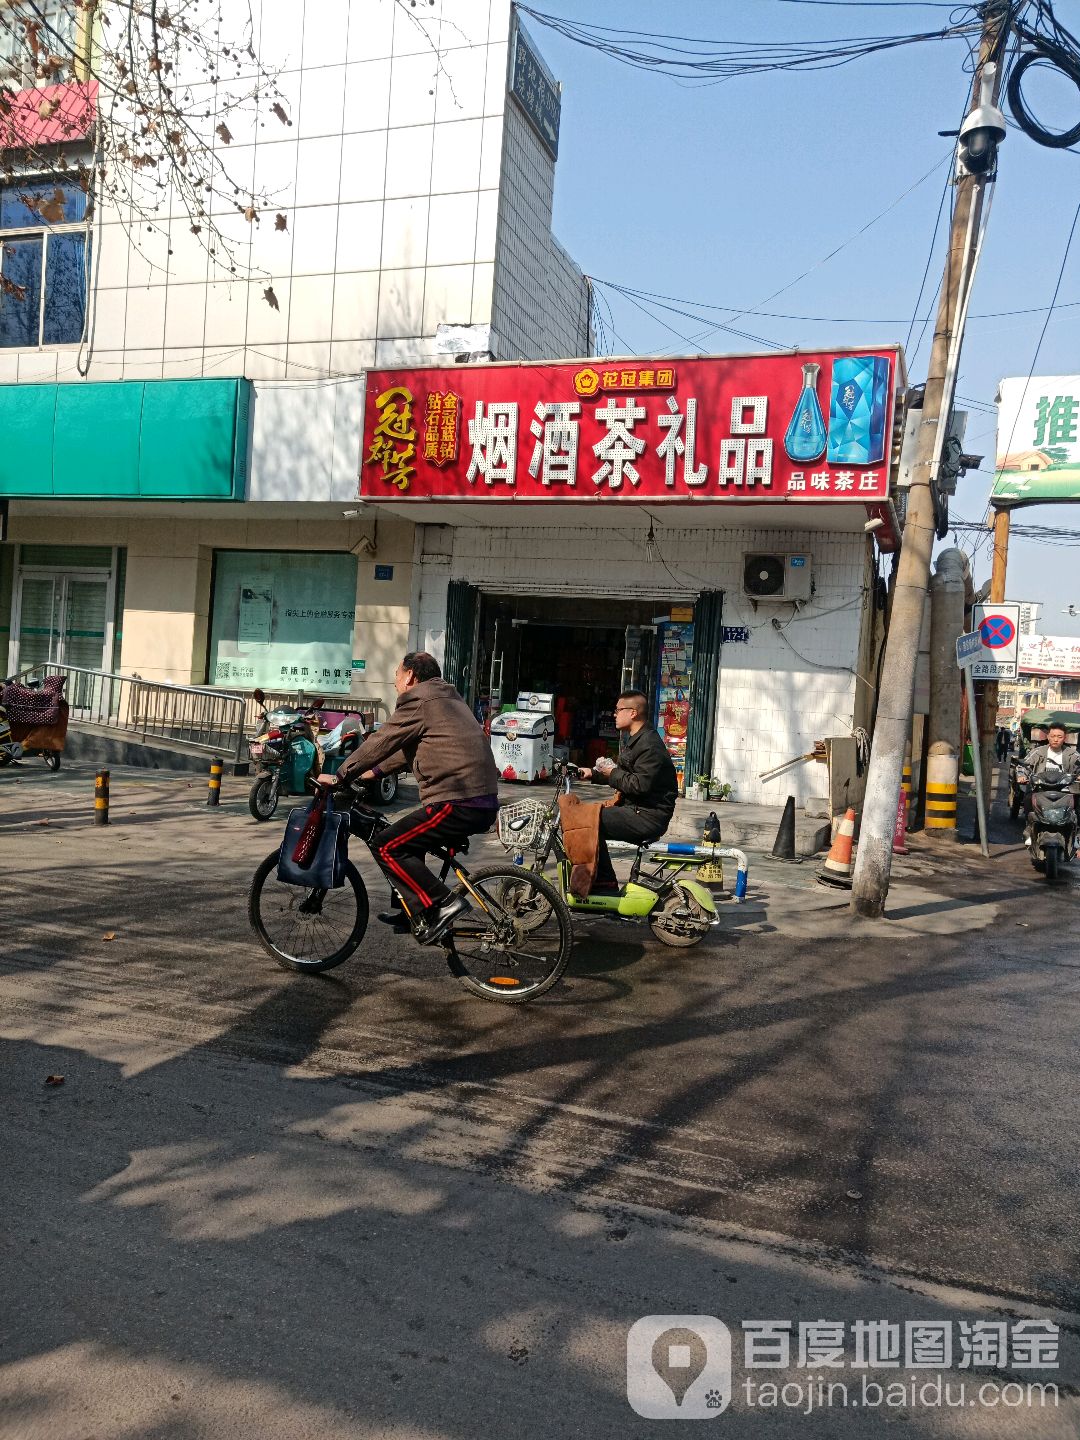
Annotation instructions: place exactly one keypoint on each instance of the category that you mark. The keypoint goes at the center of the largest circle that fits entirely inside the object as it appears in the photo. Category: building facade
(175, 442)
(585, 527)
(195, 492)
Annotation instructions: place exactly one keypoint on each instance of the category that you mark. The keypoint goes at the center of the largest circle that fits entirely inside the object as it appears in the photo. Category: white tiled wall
(389, 176)
(778, 692)
(305, 442)
(541, 303)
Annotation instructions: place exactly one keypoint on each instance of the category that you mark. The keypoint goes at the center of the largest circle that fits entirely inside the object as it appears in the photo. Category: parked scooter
(33, 720)
(289, 755)
(10, 750)
(1051, 831)
(342, 741)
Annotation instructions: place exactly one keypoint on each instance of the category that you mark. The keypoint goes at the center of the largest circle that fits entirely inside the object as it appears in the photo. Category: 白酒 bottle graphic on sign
(806, 436)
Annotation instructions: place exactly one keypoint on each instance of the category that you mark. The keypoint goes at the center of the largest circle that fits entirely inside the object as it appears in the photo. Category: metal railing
(195, 716)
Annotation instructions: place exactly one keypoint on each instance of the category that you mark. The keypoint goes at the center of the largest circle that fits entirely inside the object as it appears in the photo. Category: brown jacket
(433, 733)
(581, 839)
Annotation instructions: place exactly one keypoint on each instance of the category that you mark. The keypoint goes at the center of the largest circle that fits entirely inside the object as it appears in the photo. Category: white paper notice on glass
(256, 613)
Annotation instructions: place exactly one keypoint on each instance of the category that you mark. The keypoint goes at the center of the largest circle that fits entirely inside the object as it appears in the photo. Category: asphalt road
(369, 1204)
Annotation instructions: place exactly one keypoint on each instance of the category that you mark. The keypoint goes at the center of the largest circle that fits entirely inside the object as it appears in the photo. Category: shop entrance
(62, 618)
(581, 650)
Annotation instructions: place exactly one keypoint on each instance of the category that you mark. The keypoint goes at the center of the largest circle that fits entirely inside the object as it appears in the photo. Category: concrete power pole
(989, 708)
(873, 864)
(943, 722)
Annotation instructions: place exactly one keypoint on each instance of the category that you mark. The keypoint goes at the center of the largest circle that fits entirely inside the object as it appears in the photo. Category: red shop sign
(797, 426)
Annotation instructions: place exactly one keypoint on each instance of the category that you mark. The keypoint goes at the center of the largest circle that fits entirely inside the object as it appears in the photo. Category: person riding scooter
(1053, 754)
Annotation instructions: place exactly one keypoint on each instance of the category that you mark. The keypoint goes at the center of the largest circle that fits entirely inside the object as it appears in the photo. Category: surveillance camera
(356, 510)
(983, 130)
(872, 525)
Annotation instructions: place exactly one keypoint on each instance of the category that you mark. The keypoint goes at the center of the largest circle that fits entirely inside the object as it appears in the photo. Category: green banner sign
(1038, 459)
(283, 620)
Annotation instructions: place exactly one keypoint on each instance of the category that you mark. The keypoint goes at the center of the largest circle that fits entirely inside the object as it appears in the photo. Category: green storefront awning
(126, 440)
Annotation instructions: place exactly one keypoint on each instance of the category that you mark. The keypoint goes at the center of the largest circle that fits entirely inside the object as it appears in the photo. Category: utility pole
(943, 721)
(989, 697)
(873, 865)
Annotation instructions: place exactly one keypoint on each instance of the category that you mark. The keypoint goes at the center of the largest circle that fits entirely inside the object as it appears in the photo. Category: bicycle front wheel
(308, 930)
(498, 950)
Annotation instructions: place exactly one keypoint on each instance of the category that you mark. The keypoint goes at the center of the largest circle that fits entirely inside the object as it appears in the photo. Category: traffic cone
(784, 844)
(837, 867)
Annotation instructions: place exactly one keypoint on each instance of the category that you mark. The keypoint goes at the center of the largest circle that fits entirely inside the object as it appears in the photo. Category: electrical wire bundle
(687, 57)
(1033, 23)
(1050, 44)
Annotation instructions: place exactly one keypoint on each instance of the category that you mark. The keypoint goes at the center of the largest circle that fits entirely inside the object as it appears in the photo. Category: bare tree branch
(172, 95)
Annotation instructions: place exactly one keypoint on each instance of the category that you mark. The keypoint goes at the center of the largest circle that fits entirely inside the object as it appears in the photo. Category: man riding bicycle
(435, 734)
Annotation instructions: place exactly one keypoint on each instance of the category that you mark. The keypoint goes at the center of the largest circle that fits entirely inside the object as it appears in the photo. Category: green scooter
(680, 910)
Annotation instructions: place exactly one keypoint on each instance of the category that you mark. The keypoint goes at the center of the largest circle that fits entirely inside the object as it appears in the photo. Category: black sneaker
(439, 919)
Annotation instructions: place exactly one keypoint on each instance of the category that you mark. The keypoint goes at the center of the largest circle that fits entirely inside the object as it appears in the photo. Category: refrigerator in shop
(672, 710)
(523, 739)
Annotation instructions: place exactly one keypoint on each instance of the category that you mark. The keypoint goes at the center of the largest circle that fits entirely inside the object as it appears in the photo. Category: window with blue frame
(44, 263)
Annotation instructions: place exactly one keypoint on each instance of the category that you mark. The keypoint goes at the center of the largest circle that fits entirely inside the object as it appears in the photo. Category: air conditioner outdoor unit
(777, 577)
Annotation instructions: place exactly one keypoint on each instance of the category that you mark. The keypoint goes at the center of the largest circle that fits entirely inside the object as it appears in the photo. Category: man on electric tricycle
(644, 779)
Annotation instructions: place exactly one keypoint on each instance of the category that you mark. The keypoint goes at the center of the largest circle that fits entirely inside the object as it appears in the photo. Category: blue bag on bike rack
(325, 869)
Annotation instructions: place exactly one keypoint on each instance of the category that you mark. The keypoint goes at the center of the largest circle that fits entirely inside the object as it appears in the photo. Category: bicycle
(490, 950)
(680, 910)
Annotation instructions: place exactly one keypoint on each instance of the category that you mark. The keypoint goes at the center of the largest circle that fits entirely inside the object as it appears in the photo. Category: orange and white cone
(837, 867)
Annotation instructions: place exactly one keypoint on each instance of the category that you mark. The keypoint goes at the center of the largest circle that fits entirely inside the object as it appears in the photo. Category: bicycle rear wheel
(499, 951)
(307, 930)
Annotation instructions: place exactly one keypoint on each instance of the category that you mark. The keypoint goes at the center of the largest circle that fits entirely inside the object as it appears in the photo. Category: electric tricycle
(680, 909)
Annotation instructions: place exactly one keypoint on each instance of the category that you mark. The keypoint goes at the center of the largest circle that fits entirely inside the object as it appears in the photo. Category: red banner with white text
(800, 427)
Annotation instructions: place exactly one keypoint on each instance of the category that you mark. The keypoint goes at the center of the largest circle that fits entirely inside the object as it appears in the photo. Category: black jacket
(645, 775)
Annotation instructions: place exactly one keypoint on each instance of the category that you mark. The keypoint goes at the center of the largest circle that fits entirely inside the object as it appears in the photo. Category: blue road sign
(968, 648)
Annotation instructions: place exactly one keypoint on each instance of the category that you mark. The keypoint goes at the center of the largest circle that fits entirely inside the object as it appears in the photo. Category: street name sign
(968, 649)
(999, 626)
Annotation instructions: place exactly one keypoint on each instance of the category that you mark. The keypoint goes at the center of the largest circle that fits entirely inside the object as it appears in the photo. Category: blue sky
(725, 193)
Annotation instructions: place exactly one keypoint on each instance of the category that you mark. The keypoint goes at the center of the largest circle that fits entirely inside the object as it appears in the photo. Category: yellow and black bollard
(101, 798)
(213, 794)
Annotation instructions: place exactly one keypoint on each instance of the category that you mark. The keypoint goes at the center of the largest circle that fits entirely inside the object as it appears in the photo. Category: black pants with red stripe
(401, 847)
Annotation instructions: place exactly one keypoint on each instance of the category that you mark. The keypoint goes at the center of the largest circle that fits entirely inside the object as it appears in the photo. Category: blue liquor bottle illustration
(805, 438)
(858, 409)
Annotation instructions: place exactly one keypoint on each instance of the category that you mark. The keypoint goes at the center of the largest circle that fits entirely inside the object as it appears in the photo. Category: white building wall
(305, 442)
(388, 174)
(540, 307)
(400, 191)
(778, 692)
(568, 329)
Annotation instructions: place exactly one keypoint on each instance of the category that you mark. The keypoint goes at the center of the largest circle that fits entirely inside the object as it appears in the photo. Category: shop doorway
(64, 604)
(62, 618)
(581, 650)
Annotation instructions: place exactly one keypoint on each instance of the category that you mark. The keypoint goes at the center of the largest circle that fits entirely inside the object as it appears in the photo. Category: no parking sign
(999, 626)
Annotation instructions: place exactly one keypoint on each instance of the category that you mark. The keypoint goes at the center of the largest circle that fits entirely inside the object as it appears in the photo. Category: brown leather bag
(581, 839)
